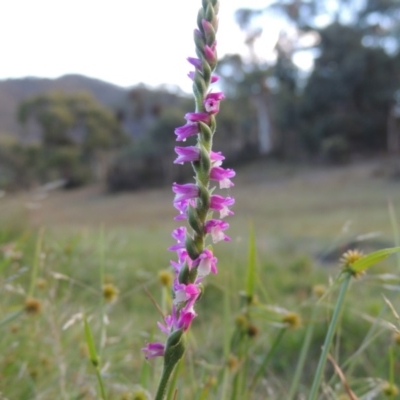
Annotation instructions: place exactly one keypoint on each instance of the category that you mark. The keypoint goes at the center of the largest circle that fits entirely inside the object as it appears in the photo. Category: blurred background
(91, 92)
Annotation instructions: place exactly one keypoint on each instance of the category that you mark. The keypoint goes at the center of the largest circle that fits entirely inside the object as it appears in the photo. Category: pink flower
(218, 96)
(197, 117)
(187, 154)
(185, 131)
(186, 316)
(196, 62)
(211, 106)
(206, 263)
(215, 227)
(181, 206)
(179, 234)
(183, 192)
(178, 319)
(211, 102)
(221, 204)
(210, 54)
(216, 157)
(223, 176)
(208, 28)
(183, 258)
(184, 293)
(195, 201)
(155, 349)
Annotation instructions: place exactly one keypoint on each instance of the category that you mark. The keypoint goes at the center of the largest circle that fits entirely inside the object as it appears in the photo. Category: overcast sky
(120, 41)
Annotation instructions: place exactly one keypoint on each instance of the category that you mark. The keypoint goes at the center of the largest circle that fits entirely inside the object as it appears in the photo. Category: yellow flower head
(137, 394)
(212, 381)
(396, 338)
(292, 320)
(165, 277)
(319, 290)
(241, 321)
(390, 390)
(33, 306)
(252, 331)
(349, 258)
(110, 292)
(233, 363)
(140, 395)
(41, 283)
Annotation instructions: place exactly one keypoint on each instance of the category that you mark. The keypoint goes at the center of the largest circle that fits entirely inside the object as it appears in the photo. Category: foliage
(349, 93)
(148, 160)
(19, 164)
(73, 128)
(50, 349)
(350, 90)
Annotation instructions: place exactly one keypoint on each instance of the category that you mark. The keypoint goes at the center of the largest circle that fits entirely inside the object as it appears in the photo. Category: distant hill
(13, 91)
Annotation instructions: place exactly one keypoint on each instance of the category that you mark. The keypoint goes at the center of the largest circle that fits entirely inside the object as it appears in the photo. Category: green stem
(303, 355)
(94, 358)
(162, 387)
(226, 342)
(225, 381)
(174, 380)
(245, 369)
(102, 301)
(237, 378)
(328, 338)
(391, 366)
(101, 384)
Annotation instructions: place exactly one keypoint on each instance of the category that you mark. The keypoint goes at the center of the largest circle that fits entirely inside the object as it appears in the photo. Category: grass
(296, 215)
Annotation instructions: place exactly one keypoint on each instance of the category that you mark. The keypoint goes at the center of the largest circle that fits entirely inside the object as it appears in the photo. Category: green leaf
(90, 342)
(94, 358)
(365, 262)
(251, 267)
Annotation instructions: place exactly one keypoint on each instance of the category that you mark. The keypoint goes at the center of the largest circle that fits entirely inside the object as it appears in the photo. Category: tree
(249, 82)
(346, 99)
(349, 92)
(74, 130)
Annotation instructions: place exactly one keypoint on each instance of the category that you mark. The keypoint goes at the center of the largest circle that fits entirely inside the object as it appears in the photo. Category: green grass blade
(251, 266)
(36, 264)
(391, 365)
(101, 250)
(395, 228)
(303, 354)
(225, 382)
(227, 319)
(329, 337)
(368, 261)
(144, 374)
(226, 344)
(93, 356)
(267, 358)
(90, 343)
(373, 333)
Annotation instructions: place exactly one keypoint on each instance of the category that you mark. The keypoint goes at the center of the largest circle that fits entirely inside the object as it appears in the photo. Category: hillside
(13, 91)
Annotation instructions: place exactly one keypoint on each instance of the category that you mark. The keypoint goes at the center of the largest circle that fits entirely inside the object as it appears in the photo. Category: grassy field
(88, 238)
